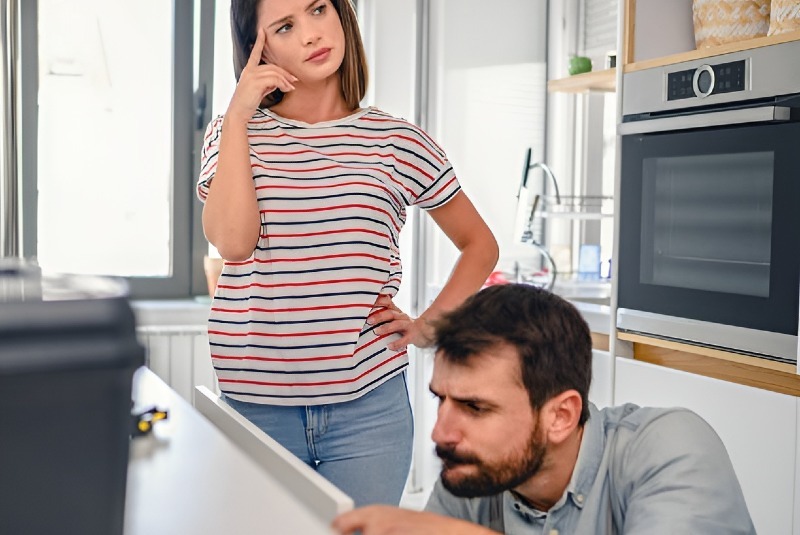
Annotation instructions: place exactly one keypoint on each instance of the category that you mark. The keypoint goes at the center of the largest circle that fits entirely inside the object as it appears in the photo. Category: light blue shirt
(639, 470)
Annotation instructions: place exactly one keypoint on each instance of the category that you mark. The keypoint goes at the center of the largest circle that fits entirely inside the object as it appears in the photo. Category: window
(115, 140)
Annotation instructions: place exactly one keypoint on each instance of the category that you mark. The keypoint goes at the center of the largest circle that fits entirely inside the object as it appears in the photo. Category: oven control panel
(706, 80)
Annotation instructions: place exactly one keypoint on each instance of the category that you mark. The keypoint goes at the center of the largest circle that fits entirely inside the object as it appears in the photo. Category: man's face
(486, 432)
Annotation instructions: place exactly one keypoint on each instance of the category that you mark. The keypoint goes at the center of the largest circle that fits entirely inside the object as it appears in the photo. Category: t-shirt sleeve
(676, 477)
(428, 174)
(208, 157)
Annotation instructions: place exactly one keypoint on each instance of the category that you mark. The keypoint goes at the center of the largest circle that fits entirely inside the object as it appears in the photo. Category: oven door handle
(705, 120)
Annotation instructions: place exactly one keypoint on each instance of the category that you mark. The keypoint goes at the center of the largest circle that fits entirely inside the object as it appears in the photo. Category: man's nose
(445, 430)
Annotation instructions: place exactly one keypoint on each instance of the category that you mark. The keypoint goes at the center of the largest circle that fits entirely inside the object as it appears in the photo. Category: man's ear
(563, 414)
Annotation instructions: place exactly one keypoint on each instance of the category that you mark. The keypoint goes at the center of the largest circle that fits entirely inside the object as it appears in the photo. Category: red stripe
(332, 186)
(299, 309)
(339, 165)
(440, 189)
(325, 232)
(281, 335)
(291, 284)
(272, 359)
(320, 383)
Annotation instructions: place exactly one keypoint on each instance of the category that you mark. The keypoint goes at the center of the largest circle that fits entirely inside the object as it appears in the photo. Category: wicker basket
(784, 16)
(717, 22)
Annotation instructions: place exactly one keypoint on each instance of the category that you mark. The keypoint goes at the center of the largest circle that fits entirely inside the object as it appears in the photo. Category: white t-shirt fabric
(288, 325)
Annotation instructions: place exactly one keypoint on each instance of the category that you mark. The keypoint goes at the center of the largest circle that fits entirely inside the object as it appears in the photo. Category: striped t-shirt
(288, 325)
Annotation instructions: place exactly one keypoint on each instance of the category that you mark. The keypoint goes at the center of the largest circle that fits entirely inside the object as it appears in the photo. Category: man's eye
(475, 408)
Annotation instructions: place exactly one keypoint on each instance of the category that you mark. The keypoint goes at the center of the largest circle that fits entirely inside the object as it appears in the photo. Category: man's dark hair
(552, 339)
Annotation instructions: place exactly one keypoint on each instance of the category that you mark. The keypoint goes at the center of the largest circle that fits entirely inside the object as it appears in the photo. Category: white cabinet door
(759, 429)
(602, 391)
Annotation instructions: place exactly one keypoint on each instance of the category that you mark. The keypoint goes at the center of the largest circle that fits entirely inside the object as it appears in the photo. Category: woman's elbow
(490, 248)
(235, 254)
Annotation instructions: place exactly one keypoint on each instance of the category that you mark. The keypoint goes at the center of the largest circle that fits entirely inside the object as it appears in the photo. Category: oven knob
(703, 81)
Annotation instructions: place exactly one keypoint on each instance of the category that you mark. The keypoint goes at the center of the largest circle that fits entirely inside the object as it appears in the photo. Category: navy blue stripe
(443, 201)
(245, 346)
(302, 372)
(341, 162)
(396, 208)
(310, 145)
(303, 271)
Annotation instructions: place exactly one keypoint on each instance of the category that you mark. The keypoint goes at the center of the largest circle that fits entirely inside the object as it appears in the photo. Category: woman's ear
(563, 415)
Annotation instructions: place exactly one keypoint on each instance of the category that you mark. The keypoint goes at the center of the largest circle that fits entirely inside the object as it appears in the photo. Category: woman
(305, 194)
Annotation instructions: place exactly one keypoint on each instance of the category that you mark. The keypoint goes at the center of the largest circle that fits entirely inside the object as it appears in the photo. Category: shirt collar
(587, 464)
(590, 456)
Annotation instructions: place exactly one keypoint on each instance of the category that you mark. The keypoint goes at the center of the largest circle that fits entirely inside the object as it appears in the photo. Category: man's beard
(496, 477)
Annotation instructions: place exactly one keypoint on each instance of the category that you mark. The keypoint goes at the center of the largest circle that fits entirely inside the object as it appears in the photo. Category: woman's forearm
(473, 266)
(231, 220)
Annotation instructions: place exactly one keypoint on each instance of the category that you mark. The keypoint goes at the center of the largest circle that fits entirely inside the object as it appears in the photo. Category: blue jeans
(362, 446)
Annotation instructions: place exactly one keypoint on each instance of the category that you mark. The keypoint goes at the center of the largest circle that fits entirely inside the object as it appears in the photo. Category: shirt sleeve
(208, 157)
(475, 510)
(676, 477)
(425, 171)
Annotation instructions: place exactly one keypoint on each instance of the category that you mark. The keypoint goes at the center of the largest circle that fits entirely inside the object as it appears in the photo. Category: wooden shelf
(605, 80)
(733, 367)
(712, 51)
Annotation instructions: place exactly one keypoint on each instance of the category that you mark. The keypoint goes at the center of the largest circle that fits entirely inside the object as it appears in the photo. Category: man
(523, 451)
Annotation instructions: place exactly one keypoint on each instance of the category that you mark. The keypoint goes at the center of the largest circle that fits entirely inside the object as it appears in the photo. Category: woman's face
(304, 37)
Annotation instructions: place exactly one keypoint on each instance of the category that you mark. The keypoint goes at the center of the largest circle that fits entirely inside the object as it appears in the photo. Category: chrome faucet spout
(549, 173)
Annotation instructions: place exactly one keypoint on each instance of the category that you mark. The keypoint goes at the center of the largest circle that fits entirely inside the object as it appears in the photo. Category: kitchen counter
(188, 477)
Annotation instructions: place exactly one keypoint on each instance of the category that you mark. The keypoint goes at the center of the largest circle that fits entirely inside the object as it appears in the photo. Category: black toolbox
(68, 351)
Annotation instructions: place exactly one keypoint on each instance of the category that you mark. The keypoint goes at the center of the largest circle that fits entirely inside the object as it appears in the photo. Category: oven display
(728, 77)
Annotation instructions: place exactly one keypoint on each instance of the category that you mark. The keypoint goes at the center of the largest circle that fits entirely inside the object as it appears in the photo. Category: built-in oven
(709, 249)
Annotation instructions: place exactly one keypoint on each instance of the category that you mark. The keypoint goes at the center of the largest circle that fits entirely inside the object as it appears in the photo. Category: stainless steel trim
(752, 341)
(704, 120)
(766, 76)
(696, 81)
(9, 182)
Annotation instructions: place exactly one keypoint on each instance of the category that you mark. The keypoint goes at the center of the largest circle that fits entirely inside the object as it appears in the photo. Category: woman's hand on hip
(390, 319)
(257, 81)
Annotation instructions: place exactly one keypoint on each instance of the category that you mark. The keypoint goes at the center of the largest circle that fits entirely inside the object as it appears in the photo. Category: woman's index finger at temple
(258, 48)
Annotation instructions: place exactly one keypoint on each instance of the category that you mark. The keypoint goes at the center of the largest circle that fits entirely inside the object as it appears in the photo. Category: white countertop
(187, 477)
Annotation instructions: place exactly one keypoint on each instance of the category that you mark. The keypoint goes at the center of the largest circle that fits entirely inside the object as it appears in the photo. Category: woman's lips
(319, 55)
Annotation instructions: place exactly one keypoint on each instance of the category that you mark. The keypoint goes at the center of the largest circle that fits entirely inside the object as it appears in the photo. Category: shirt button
(579, 498)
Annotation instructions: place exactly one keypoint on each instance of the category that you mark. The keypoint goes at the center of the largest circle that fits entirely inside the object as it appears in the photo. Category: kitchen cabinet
(758, 428)
(601, 392)
(655, 36)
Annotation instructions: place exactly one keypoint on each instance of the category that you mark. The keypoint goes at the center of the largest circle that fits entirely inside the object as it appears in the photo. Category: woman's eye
(285, 28)
(319, 9)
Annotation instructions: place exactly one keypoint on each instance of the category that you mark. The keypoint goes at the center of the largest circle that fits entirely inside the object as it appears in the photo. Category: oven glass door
(710, 225)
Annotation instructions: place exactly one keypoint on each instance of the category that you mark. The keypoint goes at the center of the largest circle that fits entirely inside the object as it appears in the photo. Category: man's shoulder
(633, 418)
(656, 435)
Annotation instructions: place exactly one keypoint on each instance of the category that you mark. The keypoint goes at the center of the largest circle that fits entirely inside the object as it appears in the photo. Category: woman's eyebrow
(289, 17)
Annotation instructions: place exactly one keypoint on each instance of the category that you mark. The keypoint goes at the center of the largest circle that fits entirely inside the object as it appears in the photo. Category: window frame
(191, 113)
